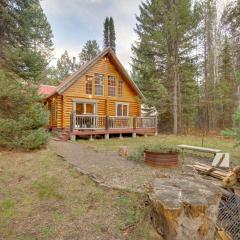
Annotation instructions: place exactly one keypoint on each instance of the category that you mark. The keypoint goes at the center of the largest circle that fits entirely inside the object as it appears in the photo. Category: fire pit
(161, 158)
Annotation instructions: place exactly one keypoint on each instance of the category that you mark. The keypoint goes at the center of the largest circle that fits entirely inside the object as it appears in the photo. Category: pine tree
(25, 48)
(89, 51)
(209, 97)
(112, 35)
(227, 86)
(167, 31)
(231, 27)
(64, 67)
(109, 35)
(106, 42)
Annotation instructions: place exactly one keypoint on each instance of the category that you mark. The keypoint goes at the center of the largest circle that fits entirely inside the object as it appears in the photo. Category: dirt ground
(112, 170)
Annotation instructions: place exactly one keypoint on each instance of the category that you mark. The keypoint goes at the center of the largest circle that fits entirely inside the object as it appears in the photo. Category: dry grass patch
(133, 144)
(43, 197)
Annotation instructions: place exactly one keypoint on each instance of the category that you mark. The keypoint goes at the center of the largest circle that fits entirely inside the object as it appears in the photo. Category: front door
(85, 115)
(85, 108)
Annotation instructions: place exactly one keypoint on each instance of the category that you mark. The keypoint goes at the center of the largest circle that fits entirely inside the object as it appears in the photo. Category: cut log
(184, 208)
(209, 170)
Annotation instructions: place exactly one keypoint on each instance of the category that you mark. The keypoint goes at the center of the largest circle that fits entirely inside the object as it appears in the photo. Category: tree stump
(184, 208)
(123, 151)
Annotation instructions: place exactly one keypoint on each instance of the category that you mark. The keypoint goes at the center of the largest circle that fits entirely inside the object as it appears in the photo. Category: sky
(75, 21)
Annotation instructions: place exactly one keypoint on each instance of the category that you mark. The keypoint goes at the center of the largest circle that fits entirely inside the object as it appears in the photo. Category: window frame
(114, 87)
(96, 85)
(89, 79)
(123, 104)
(120, 88)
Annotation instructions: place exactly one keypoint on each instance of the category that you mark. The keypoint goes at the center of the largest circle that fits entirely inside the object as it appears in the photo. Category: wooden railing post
(134, 123)
(156, 126)
(134, 127)
(71, 123)
(107, 128)
(106, 123)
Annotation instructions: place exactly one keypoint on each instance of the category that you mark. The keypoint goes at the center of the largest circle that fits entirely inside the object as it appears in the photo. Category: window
(120, 88)
(89, 85)
(99, 84)
(111, 86)
(122, 109)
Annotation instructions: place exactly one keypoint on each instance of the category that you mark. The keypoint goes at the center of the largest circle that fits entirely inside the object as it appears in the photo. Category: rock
(184, 208)
(123, 151)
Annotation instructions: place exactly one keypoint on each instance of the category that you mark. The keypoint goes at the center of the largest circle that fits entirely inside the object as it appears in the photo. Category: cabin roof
(46, 90)
(63, 86)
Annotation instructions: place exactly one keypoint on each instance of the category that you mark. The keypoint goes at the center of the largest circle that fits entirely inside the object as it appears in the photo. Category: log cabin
(98, 99)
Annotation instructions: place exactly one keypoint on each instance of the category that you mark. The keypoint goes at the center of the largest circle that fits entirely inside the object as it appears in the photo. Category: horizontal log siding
(105, 105)
(60, 111)
(51, 102)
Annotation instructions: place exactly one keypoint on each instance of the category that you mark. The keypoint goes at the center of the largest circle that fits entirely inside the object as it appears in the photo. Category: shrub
(235, 132)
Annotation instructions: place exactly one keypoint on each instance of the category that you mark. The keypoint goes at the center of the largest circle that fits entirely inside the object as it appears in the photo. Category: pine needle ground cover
(134, 144)
(43, 197)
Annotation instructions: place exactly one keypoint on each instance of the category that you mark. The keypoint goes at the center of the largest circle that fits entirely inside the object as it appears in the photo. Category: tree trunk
(175, 101)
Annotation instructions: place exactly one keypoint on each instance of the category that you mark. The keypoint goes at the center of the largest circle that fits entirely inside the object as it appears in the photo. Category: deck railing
(120, 122)
(94, 122)
(89, 122)
(146, 122)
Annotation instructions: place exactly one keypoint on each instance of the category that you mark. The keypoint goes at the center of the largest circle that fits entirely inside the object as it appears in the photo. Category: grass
(43, 197)
(219, 142)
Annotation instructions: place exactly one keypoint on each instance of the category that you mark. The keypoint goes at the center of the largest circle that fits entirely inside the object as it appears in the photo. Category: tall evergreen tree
(62, 70)
(25, 48)
(227, 86)
(106, 42)
(89, 51)
(231, 24)
(164, 56)
(112, 35)
(109, 34)
(209, 89)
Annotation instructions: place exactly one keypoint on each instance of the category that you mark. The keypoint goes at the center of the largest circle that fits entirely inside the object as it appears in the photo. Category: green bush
(235, 132)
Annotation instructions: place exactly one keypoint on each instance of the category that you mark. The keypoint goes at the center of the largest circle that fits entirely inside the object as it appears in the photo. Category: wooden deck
(84, 125)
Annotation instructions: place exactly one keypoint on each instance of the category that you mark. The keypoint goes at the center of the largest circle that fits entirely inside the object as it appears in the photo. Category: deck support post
(145, 135)
(91, 138)
(106, 136)
(73, 137)
(120, 136)
(134, 135)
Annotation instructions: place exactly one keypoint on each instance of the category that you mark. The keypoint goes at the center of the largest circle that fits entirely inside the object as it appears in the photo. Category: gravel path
(108, 168)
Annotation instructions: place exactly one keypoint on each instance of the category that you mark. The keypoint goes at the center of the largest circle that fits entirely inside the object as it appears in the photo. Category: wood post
(106, 123)
(156, 126)
(134, 127)
(71, 123)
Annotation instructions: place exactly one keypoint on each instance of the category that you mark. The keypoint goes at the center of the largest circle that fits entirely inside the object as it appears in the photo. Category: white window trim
(98, 85)
(90, 76)
(84, 102)
(122, 103)
(115, 87)
(120, 81)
